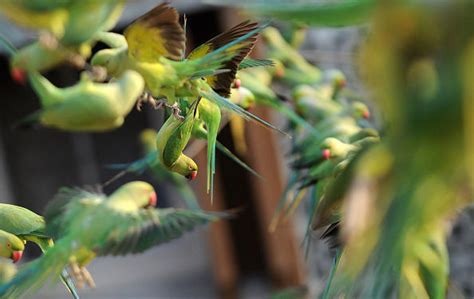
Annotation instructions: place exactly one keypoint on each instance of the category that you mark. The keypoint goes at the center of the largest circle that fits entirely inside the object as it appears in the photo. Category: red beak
(192, 175)
(18, 75)
(326, 154)
(16, 256)
(237, 83)
(366, 114)
(153, 200)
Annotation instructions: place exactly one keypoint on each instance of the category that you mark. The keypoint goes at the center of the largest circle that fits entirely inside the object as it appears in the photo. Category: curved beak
(18, 75)
(192, 175)
(16, 256)
(326, 154)
(366, 114)
(153, 200)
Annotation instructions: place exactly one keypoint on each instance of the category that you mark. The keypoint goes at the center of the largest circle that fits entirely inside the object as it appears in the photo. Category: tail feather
(236, 159)
(225, 103)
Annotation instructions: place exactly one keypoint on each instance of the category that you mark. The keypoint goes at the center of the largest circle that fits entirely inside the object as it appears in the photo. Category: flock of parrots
(336, 150)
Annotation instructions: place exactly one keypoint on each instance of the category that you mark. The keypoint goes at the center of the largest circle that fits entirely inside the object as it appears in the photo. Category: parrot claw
(86, 275)
(176, 111)
(77, 274)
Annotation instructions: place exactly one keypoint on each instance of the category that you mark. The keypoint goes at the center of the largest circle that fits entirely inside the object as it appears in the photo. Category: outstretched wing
(66, 205)
(151, 227)
(222, 82)
(155, 34)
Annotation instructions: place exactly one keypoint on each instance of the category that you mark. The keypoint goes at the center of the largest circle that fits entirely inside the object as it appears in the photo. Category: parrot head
(11, 246)
(242, 97)
(186, 167)
(108, 59)
(337, 79)
(333, 148)
(302, 91)
(360, 110)
(140, 193)
(278, 69)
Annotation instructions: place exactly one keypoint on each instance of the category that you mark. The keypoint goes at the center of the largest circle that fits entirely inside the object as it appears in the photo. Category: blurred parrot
(296, 69)
(87, 225)
(30, 227)
(11, 246)
(7, 270)
(310, 12)
(71, 27)
(154, 47)
(86, 106)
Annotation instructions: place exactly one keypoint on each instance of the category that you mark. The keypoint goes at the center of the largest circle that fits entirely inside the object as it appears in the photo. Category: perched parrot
(154, 47)
(296, 69)
(11, 246)
(161, 173)
(86, 106)
(88, 224)
(172, 139)
(71, 27)
(30, 227)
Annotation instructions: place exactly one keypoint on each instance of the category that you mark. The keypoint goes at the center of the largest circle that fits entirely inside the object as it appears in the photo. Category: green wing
(152, 227)
(21, 221)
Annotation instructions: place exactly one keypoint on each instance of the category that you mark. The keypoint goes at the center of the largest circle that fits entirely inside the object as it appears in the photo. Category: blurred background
(239, 258)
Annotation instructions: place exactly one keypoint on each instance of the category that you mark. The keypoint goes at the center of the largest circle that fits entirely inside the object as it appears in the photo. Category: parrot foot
(176, 111)
(88, 277)
(77, 274)
(145, 98)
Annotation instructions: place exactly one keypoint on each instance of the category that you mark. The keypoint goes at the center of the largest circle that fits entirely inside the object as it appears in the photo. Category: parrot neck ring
(16, 256)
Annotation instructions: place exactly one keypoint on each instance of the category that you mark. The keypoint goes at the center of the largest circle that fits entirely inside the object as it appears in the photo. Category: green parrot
(30, 227)
(161, 173)
(210, 115)
(87, 225)
(11, 246)
(296, 70)
(85, 106)
(310, 12)
(71, 28)
(171, 140)
(156, 40)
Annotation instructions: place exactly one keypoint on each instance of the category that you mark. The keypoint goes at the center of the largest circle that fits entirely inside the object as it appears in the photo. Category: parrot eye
(9, 245)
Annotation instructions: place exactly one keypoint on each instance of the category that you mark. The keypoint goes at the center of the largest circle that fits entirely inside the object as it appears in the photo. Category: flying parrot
(85, 106)
(30, 227)
(87, 225)
(71, 28)
(154, 47)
